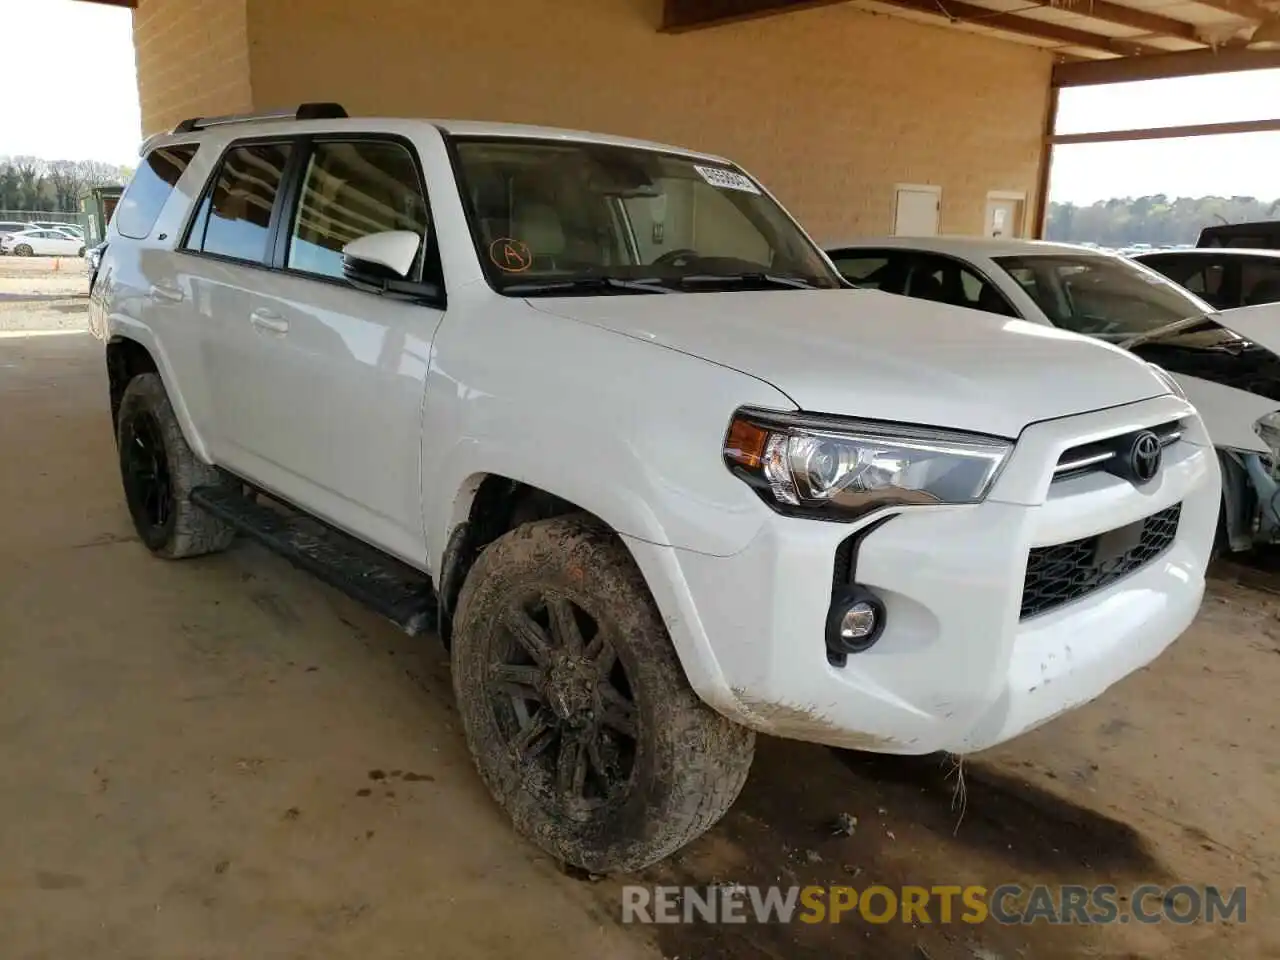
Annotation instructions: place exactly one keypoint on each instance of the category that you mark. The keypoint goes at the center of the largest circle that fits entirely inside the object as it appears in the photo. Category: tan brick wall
(192, 58)
(830, 107)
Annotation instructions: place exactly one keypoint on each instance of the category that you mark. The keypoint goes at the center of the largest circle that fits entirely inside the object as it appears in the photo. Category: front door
(341, 425)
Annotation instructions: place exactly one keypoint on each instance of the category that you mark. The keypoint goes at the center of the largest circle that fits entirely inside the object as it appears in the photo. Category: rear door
(226, 254)
(340, 420)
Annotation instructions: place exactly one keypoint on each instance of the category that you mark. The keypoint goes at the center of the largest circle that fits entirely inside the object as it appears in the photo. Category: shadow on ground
(914, 827)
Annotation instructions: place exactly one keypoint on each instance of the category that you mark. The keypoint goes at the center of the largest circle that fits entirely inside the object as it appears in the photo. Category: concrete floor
(222, 758)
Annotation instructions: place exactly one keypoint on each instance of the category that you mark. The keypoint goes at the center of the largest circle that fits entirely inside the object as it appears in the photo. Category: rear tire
(159, 472)
(575, 707)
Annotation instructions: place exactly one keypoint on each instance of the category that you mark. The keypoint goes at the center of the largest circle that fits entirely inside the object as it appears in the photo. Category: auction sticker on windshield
(726, 179)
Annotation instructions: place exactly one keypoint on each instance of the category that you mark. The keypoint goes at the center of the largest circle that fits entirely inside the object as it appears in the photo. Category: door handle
(167, 294)
(265, 319)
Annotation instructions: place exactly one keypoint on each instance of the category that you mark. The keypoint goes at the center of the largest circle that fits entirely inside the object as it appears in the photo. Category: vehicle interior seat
(991, 301)
(1264, 291)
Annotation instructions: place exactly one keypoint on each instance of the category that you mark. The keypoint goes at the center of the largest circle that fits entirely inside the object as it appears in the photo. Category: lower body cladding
(975, 647)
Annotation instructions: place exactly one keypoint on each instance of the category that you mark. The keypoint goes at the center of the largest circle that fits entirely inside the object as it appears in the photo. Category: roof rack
(304, 111)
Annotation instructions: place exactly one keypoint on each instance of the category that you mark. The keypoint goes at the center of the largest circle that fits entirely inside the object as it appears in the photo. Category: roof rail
(305, 111)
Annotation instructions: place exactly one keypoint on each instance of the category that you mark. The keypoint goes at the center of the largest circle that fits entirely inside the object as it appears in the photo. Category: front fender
(628, 430)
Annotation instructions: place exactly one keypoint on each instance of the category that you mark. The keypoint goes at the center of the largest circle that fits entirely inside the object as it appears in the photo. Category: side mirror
(380, 256)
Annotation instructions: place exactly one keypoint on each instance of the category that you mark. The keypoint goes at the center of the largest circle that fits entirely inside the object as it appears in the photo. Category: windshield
(1109, 297)
(559, 216)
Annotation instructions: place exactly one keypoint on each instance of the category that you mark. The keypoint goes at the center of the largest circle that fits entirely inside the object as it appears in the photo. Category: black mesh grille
(1068, 571)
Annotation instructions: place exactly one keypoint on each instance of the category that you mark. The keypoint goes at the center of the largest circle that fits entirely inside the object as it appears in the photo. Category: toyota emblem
(1144, 457)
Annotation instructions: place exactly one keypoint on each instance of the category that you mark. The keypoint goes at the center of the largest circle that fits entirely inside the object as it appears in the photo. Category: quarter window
(352, 190)
(152, 185)
(234, 219)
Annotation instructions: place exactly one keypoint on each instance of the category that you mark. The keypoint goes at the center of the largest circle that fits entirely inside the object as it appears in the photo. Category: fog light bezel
(842, 600)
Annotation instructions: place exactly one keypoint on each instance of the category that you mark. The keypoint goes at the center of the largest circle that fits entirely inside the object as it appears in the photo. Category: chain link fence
(42, 216)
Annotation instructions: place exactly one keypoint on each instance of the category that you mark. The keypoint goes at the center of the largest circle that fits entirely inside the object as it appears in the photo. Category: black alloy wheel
(563, 702)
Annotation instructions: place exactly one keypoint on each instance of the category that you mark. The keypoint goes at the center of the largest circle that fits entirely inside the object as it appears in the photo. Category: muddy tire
(159, 472)
(575, 707)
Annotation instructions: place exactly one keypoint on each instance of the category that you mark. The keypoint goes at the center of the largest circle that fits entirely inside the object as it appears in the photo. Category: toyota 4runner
(595, 412)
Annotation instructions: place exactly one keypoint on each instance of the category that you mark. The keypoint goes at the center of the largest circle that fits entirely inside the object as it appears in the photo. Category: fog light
(858, 622)
(854, 622)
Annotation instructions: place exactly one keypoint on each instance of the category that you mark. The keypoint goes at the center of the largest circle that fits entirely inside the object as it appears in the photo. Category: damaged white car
(1225, 362)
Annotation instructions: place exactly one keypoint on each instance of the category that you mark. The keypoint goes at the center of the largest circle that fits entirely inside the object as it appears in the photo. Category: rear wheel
(159, 472)
(575, 707)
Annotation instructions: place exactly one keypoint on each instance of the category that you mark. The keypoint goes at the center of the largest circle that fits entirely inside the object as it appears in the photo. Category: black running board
(393, 589)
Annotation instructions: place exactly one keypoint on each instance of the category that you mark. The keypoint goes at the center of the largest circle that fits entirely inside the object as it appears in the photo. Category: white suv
(601, 414)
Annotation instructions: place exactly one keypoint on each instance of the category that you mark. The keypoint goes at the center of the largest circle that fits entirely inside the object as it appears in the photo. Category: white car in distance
(600, 413)
(42, 243)
(1227, 362)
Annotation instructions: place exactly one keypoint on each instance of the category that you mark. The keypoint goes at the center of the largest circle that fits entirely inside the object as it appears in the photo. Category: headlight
(1268, 428)
(1169, 380)
(838, 469)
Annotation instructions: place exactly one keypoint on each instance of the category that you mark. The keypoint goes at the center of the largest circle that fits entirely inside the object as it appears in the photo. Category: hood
(883, 357)
(1228, 413)
(1260, 323)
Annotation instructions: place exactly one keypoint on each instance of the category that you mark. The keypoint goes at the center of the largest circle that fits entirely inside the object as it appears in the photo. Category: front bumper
(956, 668)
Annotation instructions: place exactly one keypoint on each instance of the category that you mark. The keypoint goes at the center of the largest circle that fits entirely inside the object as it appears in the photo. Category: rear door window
(945, 280)
(234, 219)
(1260, 280)
(873, 269)
(152, 185)
(1202, 275)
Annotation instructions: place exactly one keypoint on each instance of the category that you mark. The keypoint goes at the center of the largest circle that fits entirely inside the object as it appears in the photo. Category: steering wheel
(681, 257)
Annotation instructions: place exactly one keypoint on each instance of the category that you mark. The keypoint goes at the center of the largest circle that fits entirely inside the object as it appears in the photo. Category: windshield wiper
(1177, 326)
(745, 279)
(588, 285)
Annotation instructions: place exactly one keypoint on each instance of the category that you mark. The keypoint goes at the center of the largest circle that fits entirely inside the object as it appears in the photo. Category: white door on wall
(1004, 215)
(916, 210)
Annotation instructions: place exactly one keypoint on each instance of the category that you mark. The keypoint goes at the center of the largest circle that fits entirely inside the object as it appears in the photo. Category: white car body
(383, 418)
(71, 229)
(43, 243)
(1229, 413)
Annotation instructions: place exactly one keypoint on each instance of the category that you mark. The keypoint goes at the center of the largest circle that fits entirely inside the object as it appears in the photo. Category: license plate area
(1114, 545)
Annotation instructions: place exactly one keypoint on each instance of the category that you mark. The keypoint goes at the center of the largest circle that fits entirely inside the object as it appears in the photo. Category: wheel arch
(488, 505)
(131, 350)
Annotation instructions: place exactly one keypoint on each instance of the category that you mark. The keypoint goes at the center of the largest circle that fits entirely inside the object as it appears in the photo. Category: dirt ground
(224, 758)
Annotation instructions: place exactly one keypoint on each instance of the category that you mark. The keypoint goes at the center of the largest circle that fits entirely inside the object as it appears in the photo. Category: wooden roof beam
(959, 12)
(1144, 20)
(1244, 9)
(681, 16)
(1161, 66)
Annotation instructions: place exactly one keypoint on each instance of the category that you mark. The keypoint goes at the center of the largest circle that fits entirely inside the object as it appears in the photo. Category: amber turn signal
(745, 443)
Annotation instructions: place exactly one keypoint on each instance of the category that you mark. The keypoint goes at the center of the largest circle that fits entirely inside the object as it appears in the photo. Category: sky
(82, 105)
(82, 114)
